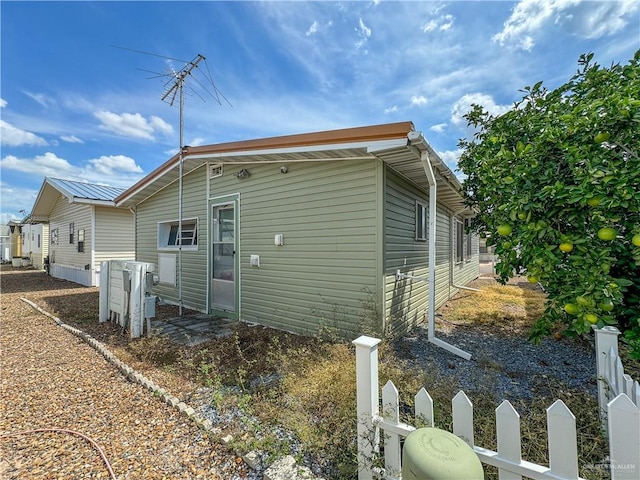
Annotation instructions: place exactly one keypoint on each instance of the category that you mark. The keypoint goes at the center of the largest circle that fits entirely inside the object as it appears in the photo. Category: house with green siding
(85, 228)
(329, 230)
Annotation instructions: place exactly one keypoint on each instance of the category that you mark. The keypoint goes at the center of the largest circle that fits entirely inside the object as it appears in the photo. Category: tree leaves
(558, 167)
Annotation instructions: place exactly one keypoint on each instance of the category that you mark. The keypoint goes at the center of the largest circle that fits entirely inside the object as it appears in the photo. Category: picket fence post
(367, 402)
(606, 340)
(624, 438)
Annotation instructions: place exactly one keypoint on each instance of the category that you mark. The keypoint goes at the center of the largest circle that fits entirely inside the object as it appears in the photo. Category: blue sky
(73, 106)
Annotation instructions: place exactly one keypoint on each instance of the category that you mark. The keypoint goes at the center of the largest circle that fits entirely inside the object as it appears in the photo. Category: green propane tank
(434, 454)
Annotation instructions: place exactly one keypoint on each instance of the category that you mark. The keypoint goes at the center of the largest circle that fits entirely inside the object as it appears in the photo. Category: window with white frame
(71, 232)
(54, 236)
(468, 236)
(459, 241)
(81, 240)
(421, 221)
(169, 237)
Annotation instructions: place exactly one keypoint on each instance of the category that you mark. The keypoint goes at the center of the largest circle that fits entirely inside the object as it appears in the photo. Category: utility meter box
(435, 454)
(150, 306)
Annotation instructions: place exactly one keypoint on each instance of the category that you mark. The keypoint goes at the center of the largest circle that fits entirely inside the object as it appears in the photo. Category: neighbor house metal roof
(74, 192)
(87, 191)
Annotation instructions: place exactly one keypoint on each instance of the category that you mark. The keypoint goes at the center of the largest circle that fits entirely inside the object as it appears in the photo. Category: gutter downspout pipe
(416, 139)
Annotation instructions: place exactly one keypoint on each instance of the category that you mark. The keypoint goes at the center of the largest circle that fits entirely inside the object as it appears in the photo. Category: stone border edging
(284, 468)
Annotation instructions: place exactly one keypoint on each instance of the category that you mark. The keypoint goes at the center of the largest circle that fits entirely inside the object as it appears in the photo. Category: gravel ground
(516, 368)
(52, 379)
(508, 363)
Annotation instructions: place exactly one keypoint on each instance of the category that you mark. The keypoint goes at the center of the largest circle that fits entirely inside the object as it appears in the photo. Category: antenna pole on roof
(175, 87)
(178, 87)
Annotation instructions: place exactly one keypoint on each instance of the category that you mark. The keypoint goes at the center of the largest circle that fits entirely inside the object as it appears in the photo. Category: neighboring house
(307, 232)
(85, 228)
(15, 240)
(35, 242)
(5, 243)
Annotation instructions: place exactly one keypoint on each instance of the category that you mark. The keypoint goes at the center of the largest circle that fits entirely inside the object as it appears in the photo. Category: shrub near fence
(623, 424)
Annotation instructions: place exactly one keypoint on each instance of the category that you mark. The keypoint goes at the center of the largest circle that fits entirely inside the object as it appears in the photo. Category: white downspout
(428, 169)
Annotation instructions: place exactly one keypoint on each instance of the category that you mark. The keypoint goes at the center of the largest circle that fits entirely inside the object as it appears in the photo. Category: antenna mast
(174, 87)
(177, 88)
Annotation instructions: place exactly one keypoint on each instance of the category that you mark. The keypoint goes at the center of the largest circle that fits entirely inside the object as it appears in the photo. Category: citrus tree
(556, 184)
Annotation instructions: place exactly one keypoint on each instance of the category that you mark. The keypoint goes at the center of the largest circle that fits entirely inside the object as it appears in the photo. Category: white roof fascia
(387, 144)
(369, 146)
(106, 203)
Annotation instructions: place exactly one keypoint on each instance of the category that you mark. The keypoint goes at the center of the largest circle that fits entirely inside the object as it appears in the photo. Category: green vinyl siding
(469, 269)
(325, 274)
(163, 207)
(326, 270)
(406, 300)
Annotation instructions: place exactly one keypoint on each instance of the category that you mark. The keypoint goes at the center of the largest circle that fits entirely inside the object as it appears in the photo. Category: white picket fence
(612, 381)
(623, 419)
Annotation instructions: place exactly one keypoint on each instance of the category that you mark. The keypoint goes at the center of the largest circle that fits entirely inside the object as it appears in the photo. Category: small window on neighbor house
(38, 240)
(71, 232)
(168, 235)
(421, 221)
(459, 241)
(215, 170)
(54, 236)
(81, 241)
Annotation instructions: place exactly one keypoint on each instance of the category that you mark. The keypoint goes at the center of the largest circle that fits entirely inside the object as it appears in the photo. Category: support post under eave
(428, 169)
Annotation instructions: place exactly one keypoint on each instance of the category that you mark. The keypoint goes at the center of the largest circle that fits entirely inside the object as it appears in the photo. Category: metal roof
(74, 192)
(87, 191)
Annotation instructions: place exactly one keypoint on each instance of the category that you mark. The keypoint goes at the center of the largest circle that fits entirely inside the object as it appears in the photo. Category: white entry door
(223, 248)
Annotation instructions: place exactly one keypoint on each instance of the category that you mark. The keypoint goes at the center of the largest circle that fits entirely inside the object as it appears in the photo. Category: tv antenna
(174, 87)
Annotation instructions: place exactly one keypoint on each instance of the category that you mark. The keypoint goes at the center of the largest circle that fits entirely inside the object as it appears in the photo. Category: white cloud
(70, 139)
(3, 103)
(418, 100)
(114, 165)
(132, 125)
(364, 33)
(391, 109)
(442, 23)
(598, 19)
(450, 158)
(121, 171)
(41, 99)
(463, 106)
(438, 128)
(13, 199)
(312, 29)
(583, 19)
(14, 137)
(48, 164)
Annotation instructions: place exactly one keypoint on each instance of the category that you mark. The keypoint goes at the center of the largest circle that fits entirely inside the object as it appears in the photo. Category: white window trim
(164, 229)
(468, 240)
(459, 242)
(421, 211)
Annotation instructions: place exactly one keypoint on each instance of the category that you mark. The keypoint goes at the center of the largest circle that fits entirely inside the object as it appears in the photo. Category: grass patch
(511, 308)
